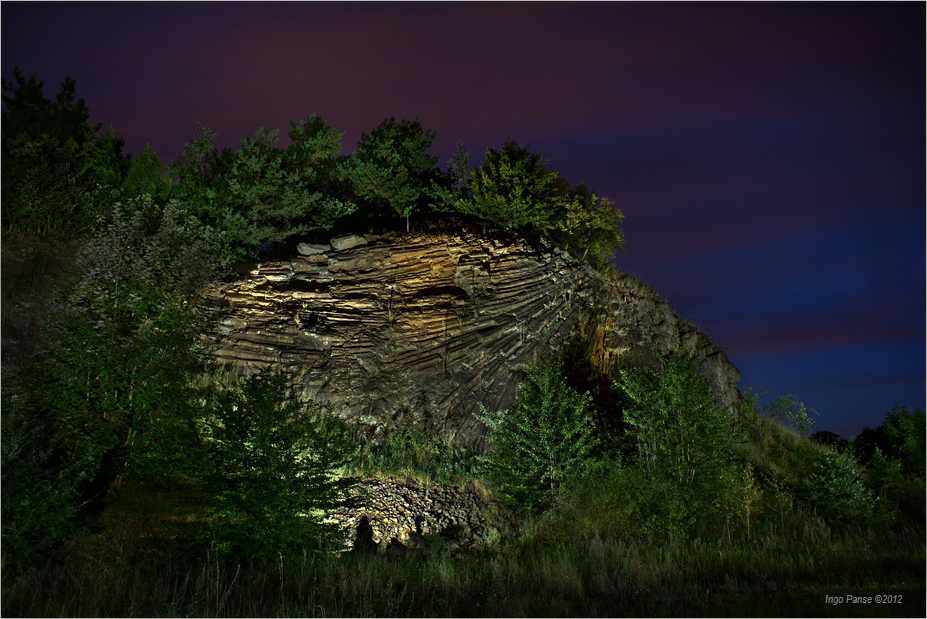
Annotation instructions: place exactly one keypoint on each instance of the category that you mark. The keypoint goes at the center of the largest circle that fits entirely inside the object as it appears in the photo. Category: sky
(769, 158)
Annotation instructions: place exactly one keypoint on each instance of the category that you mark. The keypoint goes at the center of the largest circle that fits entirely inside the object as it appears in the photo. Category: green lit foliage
(53, 160)
(541, 443)
(788, 411)
(268, 468)
(146, 177)
(413, 454)
(905, 433)
(589, 227)
(512, 188)
(392, 167)
(121, 337)
(261, 194)
(833, 490)
(685, 439)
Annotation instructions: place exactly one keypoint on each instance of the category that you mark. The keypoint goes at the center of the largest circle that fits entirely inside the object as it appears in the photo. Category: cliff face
(420, 329)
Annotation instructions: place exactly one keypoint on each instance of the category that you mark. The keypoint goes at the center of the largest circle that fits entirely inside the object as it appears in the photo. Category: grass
(592, 577)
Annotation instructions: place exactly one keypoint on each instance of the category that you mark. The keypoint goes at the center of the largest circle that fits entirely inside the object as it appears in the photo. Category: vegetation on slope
(676, 507)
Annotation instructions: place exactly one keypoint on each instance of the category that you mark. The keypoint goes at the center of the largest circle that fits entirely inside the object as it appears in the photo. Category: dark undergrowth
(591, 577)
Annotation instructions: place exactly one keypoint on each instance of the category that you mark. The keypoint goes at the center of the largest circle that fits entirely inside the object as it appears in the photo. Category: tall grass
(593, 577)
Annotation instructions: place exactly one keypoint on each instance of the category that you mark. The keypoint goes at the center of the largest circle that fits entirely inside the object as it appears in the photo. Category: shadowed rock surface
(420, 329)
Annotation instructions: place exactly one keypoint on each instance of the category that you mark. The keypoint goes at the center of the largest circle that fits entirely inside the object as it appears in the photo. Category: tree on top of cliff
(512, 188)
(260, 193)
(392, 166)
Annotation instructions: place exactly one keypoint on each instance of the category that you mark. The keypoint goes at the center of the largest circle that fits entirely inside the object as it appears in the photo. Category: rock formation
(386, 516)
(419, 330)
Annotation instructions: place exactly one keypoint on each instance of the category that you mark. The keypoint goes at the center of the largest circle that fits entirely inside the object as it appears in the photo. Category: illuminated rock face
(420, 329)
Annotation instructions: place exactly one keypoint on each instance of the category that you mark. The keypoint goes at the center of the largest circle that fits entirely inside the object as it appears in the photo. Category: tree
(512, 188)
(832, 488)
(685, 439)
(54, 160)
(146, 176)
(392, 166)
(788, 411)
(905, 432)
(589, 227)
(122, 336)
(260, 194)
(268, 468)
(541, 443)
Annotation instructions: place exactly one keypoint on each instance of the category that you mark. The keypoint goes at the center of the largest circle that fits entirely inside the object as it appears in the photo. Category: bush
(833, 490)
(686, 440)
(905, 434)
(541, 443)
(413, 453)
(788, 411)
(613, 501)
(42, 481)
(268, 466)
(121, 337)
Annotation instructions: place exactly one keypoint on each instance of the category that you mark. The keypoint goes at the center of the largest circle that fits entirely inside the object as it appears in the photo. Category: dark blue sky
(769, 157)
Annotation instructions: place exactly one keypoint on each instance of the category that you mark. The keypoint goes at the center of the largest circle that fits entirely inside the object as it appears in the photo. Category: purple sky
(769, 158)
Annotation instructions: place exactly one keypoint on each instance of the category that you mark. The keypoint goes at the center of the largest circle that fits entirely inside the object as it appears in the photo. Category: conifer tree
(542, 442)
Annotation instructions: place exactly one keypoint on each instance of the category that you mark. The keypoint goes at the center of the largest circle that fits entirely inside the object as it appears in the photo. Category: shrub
(542, 442)
(833, 490)
(121, 337)
(613, 501)
(788, 411)
(905, 434)
(685, 439)
(268, 466)
(42, 480)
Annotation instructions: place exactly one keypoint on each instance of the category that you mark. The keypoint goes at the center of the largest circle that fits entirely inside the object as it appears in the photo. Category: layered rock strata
(421, 330)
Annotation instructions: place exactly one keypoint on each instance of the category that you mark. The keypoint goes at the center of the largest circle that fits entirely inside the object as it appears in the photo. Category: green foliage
(901, 497)
(834, 491)
(122, 335)
(53, 160)
(261, 194)
(414, 454)
(790, 412)
(512, 188)
(146, 176)
(613, 501)
(42, 478)
(391, 166)
(905, 433)
(589, 228)
(541, 443)
(268, 468)
(685, 439)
